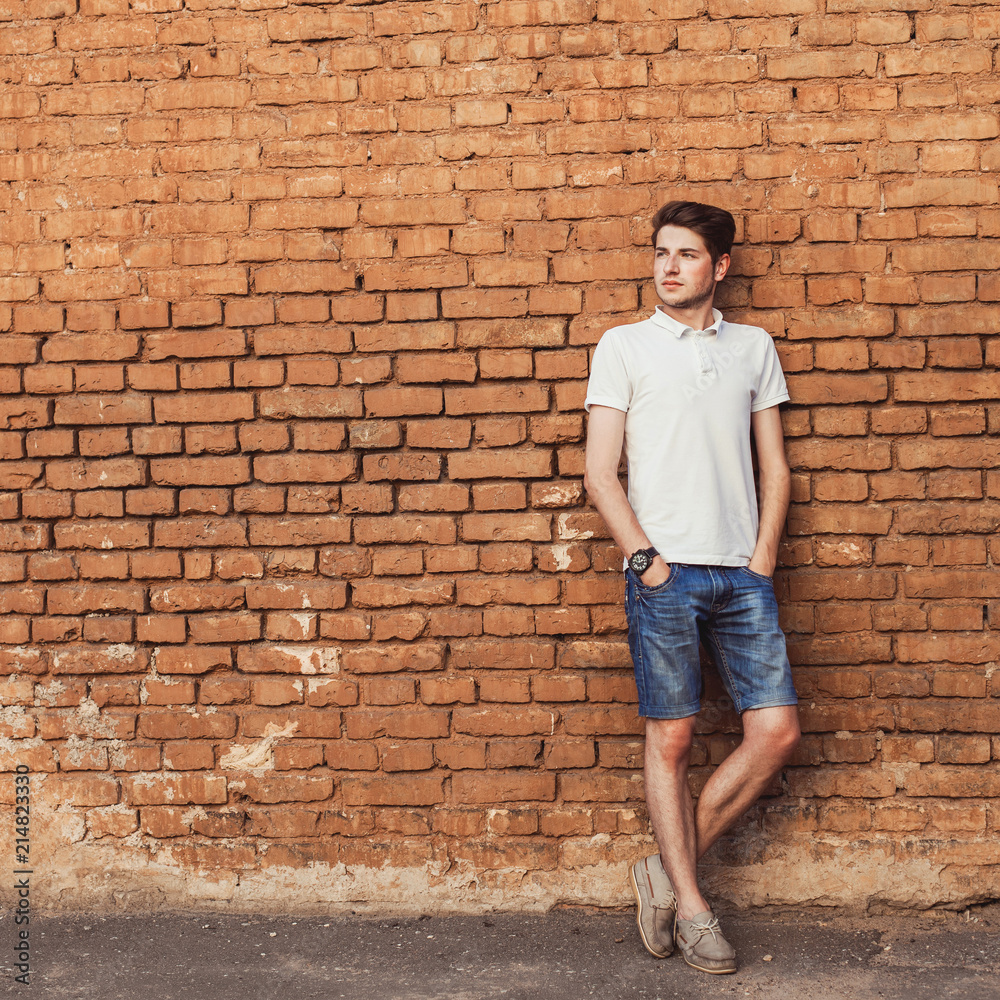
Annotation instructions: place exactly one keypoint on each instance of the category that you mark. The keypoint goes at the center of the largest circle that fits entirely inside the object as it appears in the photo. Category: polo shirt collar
(679, 329)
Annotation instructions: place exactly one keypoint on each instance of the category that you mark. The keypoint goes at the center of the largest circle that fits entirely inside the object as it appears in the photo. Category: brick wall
(302, 599)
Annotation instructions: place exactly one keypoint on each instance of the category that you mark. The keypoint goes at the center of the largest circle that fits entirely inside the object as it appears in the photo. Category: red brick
(533, 463)
(405, 528)
(99, 409)
(434, 497)
(304, 468)
(159, 789)
(181, 725)
(406, 790)
(499, 496)
(401, 467)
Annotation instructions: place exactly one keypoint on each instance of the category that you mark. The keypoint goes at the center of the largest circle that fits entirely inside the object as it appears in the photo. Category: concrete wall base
(139, 875)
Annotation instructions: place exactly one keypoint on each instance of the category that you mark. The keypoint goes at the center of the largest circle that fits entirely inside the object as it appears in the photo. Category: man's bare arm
(605, 436)
(775, 487)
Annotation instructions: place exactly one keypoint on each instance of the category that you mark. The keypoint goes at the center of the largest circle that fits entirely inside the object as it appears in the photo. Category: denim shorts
(733, 612)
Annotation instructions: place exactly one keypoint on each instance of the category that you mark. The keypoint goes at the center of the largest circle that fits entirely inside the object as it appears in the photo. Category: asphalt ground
(563, 955)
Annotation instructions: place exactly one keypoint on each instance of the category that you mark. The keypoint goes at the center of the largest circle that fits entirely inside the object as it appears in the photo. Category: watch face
(640, 562)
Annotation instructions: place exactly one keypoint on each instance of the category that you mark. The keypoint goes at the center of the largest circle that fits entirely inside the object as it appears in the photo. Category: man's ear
(722, 266)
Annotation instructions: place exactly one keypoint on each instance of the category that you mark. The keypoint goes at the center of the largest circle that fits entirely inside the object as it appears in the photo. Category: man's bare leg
(671, 808)
(683, 832)
(770, 736)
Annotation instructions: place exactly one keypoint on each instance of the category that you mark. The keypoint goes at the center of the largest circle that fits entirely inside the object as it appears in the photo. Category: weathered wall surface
(303, 605)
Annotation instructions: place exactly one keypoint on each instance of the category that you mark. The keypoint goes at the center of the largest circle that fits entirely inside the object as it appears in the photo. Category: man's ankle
(689, 909)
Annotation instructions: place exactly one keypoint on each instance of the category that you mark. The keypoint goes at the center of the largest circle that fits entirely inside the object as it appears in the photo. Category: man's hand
(658, 572)
(762, 564)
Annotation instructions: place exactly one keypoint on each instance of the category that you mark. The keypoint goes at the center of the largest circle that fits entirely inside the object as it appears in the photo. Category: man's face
(683, 271)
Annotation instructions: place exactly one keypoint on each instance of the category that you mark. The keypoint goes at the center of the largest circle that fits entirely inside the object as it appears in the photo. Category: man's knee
(787, 739)
(774, 732)
(668, 742)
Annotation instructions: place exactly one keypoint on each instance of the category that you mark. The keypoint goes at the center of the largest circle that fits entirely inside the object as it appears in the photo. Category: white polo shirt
(688, 396)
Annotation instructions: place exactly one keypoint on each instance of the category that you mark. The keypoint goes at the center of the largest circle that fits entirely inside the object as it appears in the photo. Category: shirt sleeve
(609, 383)
(771, 387)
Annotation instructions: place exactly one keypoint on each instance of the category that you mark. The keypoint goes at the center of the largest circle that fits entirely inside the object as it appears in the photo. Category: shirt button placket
(704, 361)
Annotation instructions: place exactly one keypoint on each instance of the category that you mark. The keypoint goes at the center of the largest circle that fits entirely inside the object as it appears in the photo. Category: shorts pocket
(641, 588)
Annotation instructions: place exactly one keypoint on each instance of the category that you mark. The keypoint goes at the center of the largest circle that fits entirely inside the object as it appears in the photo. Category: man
(683, 390)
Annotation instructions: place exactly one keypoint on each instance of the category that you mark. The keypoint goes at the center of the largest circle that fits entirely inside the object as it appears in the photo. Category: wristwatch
(641, 560)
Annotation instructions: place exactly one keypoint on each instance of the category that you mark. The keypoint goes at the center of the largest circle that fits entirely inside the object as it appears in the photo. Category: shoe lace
(666, 901)
(703, 927)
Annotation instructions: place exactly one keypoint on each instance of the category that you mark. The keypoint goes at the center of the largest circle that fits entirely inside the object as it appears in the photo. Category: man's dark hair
(715, 226)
